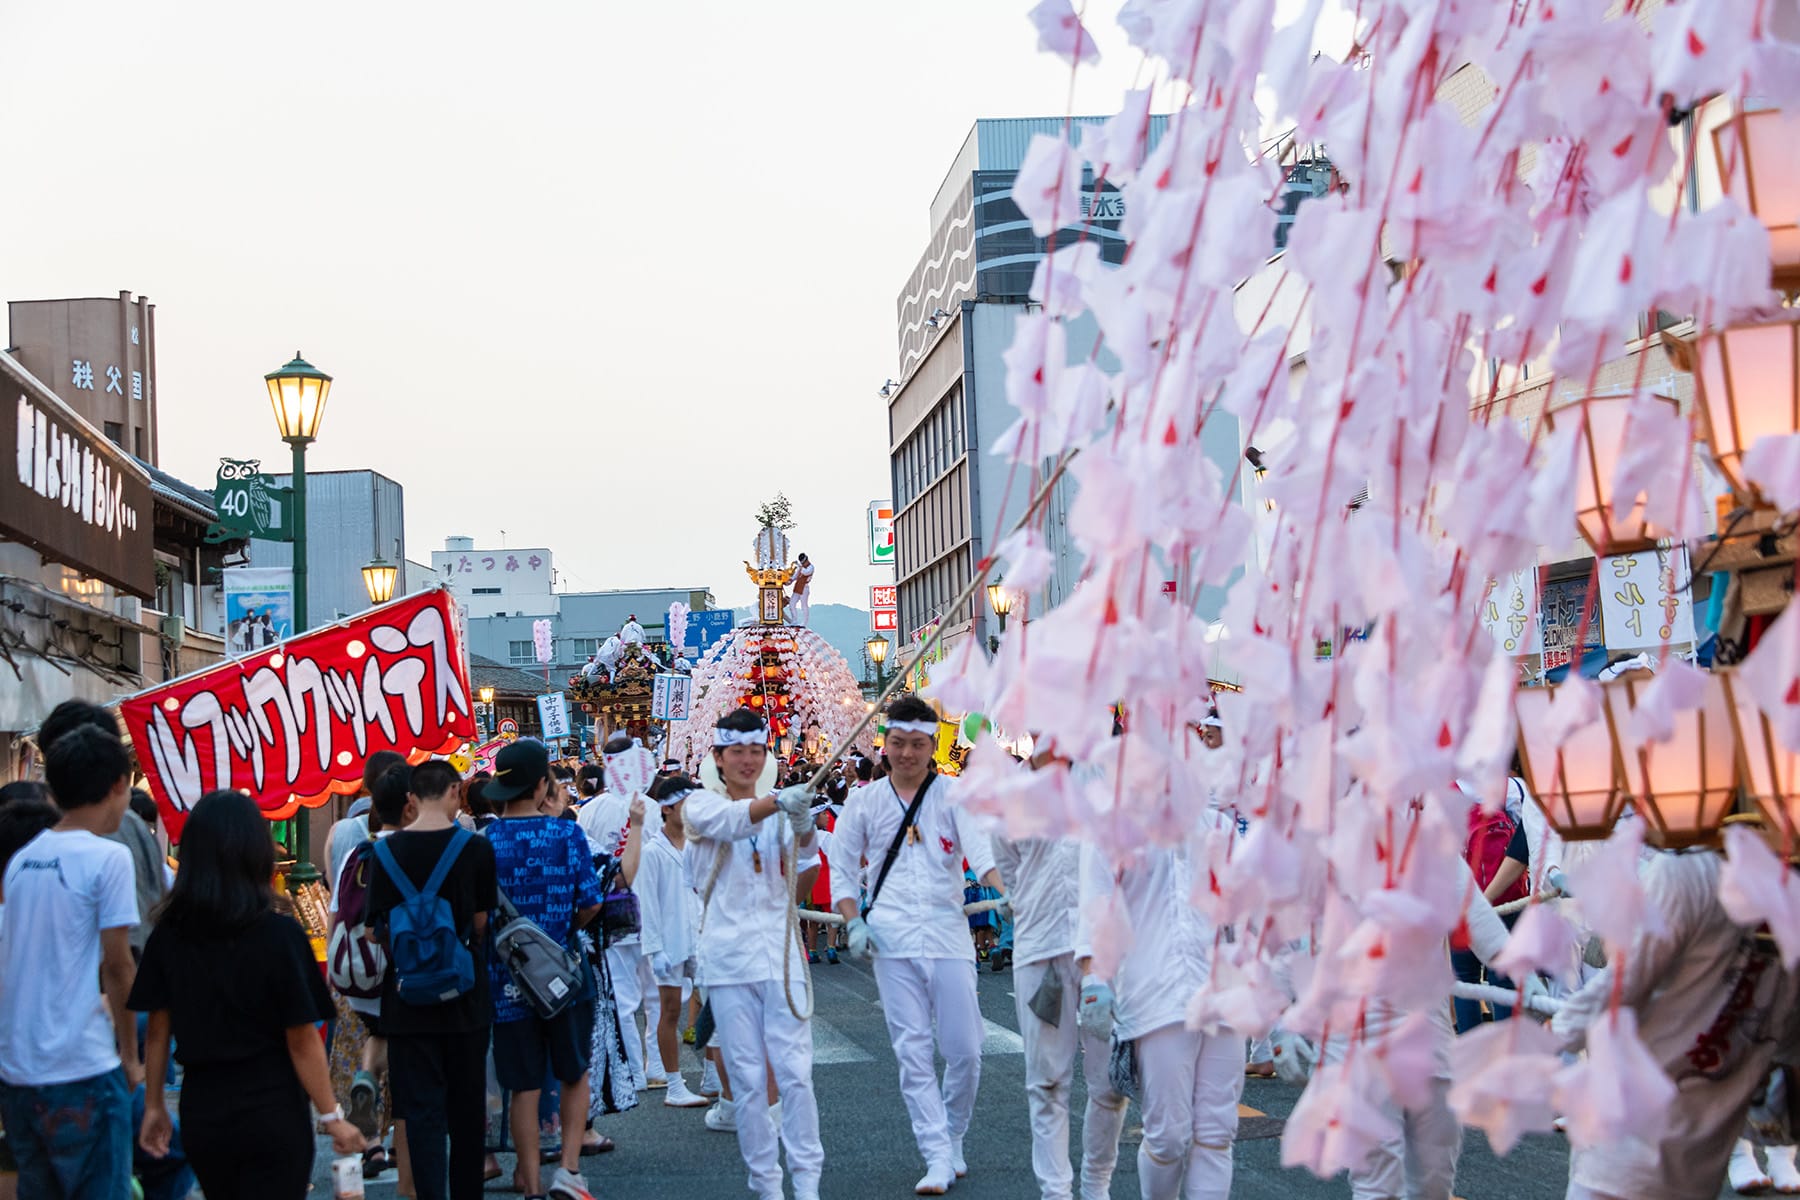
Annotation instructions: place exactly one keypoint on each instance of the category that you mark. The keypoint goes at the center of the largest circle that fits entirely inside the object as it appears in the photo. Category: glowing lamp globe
(379, 578)
(298, 393)
(1580, 784)
(1768, 771)
(1759, 169)
(1601, 421)
(1748, 380)
(1687, 785)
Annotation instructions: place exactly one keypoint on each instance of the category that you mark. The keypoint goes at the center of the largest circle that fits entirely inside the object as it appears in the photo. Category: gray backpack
(548, 974)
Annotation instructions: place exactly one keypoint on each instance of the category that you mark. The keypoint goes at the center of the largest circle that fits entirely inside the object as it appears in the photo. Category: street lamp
(877, 647)
(1001, 601)
(487, 703)
(297, 393)
(379, 577)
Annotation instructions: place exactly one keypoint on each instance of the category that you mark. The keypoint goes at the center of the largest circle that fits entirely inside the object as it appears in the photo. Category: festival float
(790, 674)
(617, 687)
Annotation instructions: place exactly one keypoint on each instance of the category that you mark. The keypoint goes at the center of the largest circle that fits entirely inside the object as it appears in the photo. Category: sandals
(601, 1145)
(376, 1161)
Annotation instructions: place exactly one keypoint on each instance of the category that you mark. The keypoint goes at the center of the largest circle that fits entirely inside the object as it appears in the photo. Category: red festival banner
(293, 724)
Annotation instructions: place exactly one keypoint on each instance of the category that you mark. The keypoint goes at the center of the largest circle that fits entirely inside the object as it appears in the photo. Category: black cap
(517, 769)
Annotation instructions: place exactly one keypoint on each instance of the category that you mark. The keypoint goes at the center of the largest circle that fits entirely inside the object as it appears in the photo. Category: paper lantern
(1747, 377)
(1687, 785)
(1768, 772)
(1580, 784)
(1602, 419)
(1760, 170)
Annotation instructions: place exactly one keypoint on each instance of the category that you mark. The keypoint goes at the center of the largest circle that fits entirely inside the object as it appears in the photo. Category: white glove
(1556, 879)
(1295, 1057)
(1533, 988)
(660, 964)
(1094, 1012)
(1004, 908)
(802, 823)
(862, 942)
(795, 801)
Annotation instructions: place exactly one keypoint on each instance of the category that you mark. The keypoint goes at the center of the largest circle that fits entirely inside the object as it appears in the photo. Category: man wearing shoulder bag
(914, 837)
(543, 1019)
(429, 901)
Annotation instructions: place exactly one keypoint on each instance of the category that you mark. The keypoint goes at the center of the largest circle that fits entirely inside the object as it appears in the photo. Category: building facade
(99, 356)
(352, 517)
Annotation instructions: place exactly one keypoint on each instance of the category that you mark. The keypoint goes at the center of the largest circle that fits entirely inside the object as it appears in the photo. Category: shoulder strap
(445, 861)
(893, 850)
(389, 863)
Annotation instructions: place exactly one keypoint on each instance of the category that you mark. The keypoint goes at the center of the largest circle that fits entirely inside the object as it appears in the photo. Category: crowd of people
(495, 942)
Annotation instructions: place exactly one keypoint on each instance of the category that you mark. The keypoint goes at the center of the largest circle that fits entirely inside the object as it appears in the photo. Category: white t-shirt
(62, 889)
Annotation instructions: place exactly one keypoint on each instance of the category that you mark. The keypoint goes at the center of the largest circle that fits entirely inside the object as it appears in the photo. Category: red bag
(1489, 836)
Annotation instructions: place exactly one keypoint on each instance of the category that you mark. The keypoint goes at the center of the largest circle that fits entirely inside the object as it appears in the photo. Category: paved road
(664, 1152)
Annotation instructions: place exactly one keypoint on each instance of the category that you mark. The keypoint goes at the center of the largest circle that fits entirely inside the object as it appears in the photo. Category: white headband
(929, 728)
(676, 797)
(740, 737)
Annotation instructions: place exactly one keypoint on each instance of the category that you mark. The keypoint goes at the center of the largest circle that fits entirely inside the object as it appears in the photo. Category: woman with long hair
(235, 983)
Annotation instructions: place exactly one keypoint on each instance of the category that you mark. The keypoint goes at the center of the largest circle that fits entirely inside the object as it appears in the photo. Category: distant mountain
(844, 627)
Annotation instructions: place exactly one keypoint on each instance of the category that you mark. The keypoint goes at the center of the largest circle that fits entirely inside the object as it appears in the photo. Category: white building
(509, 582)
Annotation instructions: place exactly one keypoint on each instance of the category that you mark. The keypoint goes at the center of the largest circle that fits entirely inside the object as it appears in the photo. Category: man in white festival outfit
(748, 946)
(916, 931)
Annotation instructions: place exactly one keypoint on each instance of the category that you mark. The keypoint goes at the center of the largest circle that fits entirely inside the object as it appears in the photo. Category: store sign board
(293, 725)
(71, 494)
(1645, 599)
(881, 533)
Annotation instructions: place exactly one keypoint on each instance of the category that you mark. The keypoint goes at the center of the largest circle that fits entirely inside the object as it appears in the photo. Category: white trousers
(1049, 1076)
(757, 1032)
(915, 993)
(629, 971)
(653, 1067)
(800, 607)
(1419, 1162)
(1189, 1084)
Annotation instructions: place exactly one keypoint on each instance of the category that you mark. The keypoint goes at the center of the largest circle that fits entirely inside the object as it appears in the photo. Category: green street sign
(245, 502)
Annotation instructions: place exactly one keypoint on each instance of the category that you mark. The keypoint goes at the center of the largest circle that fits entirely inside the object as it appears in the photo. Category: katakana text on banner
(293, 724)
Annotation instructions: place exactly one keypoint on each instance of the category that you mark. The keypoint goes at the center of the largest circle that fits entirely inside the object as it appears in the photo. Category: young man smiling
(749, 952)
(913, 836)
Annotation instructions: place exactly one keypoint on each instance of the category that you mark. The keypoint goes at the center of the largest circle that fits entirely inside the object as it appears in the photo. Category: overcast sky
(601, 275)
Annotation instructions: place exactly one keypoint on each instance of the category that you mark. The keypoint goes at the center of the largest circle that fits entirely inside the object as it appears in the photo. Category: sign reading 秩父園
(293, 724)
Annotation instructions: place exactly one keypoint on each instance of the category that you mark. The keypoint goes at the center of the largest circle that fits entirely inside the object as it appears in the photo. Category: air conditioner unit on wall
(174, 630)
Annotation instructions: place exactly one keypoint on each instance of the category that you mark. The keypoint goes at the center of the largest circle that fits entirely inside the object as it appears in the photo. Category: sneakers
(1746, 1177)
(567, 1185)
(656, 1083)
(812, 956)
(363, 1095)
(678, 1095)
(956, 1158)
(709, 1080)
(831, 954)
(720, 1118)
(939, 1178)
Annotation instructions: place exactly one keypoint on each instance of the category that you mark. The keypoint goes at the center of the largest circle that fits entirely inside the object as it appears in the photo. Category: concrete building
(352, 517)
(99, 357)
(518, 581)
(580, 624)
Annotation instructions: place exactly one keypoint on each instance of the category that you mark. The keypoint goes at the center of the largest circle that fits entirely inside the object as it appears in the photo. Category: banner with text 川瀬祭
(292, 724)
(669, 699)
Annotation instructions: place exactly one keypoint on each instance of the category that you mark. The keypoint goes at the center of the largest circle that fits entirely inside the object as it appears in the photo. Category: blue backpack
(431, 965)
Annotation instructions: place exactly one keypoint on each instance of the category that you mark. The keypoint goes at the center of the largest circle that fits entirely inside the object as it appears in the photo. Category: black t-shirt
(470, 889)
(1517, 848)
(231, 999)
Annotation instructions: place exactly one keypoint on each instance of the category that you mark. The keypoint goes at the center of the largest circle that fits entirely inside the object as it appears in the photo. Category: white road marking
(831, 1046)
(998, 1039)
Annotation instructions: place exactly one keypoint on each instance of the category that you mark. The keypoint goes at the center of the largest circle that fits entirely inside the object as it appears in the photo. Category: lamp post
(877, 646)
(297, 393)
(1001, 601)
(487, 703)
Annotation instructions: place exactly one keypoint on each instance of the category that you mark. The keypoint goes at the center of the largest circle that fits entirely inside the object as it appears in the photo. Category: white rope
(831, 918)
(1513, 906)
(1505, 998)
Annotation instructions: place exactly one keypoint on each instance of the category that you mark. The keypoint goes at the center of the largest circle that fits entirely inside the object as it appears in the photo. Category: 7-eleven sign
(881, 533)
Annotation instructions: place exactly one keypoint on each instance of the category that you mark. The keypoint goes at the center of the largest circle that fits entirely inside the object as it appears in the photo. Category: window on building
(484, 591)
(115, 433)
(137, 437)
(586, 647)
(521, 654)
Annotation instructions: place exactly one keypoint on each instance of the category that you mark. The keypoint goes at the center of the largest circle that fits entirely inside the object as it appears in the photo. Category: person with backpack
(546, 876)
(751, 961)
(913, 836)
(1497, 854)
(429, 902)
(356, 964)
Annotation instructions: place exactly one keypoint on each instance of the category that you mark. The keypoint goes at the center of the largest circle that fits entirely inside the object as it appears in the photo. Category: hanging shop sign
(671, 698)
(68, 492)
(1560, 620)
(881, 533)
(293, 725)
(1646, 600)
(1509, 613)
(884, 608)
(246, 503)
(259, 608)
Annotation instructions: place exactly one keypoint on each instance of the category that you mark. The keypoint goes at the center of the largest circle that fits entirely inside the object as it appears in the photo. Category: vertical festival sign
(293, 724)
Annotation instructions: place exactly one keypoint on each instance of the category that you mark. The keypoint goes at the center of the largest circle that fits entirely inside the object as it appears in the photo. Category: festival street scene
(1017, 599)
